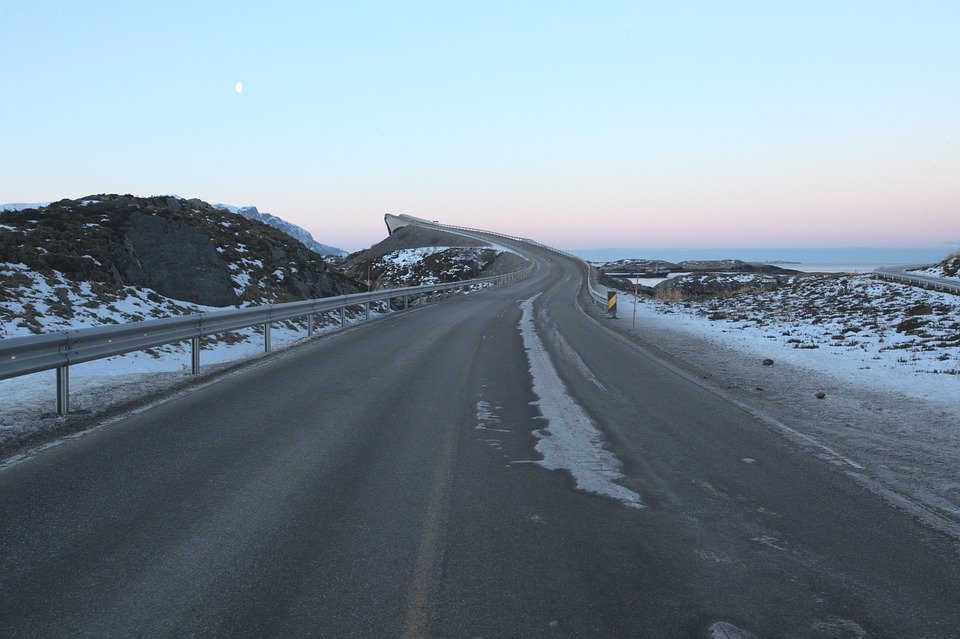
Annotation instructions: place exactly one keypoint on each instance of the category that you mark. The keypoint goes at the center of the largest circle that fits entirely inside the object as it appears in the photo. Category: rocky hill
(705, 277)
(689, 266)
(106, 247)
(949, 268)
(412, 256)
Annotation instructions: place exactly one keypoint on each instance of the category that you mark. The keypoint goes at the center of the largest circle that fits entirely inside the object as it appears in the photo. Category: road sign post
(612, 304)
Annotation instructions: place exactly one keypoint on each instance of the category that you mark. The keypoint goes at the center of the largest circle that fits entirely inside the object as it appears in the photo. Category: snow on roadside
(887, 401)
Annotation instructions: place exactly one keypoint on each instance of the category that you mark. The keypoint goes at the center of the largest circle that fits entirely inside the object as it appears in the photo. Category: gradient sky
(579, 124)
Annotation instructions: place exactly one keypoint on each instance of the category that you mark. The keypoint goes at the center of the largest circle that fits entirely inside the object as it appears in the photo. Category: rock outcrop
(462, 258)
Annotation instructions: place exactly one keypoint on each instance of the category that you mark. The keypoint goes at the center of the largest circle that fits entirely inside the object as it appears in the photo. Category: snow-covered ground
(826, 367)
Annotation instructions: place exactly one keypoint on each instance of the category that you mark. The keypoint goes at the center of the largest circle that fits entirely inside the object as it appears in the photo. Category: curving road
(909, 275)
(400, 480)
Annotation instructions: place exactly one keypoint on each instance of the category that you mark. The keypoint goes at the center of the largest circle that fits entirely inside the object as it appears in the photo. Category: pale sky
(578, 124)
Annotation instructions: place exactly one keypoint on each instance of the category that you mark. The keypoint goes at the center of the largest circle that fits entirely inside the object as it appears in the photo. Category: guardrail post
(63, 390)
(343, 316)
(195, 356)
(366, 310)
(406, 302)
(266, 337)
(310, 325)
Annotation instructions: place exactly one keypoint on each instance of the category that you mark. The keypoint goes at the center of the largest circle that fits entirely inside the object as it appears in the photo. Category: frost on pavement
(570, 441)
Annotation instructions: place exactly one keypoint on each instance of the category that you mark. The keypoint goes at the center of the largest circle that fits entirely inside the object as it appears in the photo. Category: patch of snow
(406, 257)
(240, 282)
(570, 441)
(937, 271)
(405, 267)
(724, 630)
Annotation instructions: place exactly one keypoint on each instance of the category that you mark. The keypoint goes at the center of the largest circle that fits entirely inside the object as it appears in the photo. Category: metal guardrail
(62, 349)
(900, 274)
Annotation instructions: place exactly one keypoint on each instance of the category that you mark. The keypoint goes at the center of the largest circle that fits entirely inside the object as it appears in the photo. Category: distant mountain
(251, 213)
(19, 206)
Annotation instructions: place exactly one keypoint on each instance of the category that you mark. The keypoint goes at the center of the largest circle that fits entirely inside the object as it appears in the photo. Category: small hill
(103, 249)
(413, 256)
(703, 277)
(948, 268)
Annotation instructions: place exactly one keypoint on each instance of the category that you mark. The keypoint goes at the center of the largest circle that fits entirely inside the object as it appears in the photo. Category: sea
(821, 260)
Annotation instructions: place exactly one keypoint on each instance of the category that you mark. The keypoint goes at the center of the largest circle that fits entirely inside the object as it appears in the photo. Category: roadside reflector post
(612, 304)
(63, 390)
(194, 355)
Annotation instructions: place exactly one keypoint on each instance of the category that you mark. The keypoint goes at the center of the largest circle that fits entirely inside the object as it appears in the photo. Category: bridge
(503, 464)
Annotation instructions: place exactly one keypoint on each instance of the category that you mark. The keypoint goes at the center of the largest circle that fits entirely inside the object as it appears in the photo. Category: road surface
(400, 480)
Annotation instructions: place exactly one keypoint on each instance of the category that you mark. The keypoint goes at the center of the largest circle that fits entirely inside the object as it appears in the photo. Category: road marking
(418, 605)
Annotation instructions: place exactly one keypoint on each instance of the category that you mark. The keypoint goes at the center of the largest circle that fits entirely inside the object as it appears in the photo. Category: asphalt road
(382, 483)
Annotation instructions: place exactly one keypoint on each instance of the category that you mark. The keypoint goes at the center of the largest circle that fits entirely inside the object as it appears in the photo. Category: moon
(238, 87)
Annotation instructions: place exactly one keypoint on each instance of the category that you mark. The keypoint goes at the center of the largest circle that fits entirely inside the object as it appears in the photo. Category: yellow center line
(416, 624)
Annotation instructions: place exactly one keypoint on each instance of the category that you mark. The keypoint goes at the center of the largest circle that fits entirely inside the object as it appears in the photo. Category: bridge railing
(933, 283)
(597, 294)
(61, 349)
